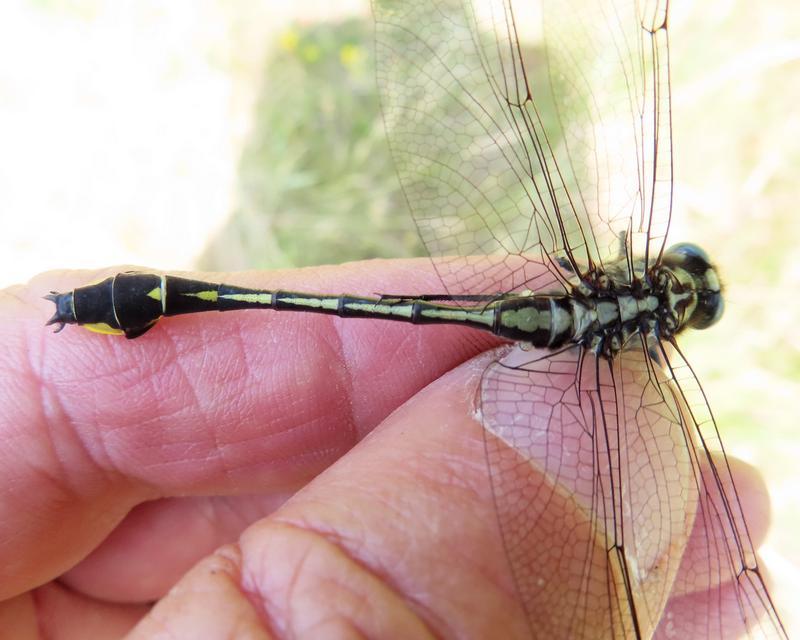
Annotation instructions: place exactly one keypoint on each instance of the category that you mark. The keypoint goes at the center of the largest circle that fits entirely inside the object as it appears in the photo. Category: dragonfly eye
(689, 250)
(708, 311)
(694, 261)
(689, 257)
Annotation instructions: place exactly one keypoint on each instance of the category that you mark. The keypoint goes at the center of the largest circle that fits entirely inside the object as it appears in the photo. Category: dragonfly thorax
(603, 313)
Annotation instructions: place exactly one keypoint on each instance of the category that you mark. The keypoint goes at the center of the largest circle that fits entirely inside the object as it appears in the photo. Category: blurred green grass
(316, 184)
(736, 73)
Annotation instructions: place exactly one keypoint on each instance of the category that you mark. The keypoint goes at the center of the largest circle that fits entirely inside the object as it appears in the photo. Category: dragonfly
(545, 202)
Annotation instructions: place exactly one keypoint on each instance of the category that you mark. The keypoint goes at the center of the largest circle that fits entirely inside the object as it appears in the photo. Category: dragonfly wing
(593, 489)
(719, 591)
(469, 148)
(609, 67)
(511, 155)
(617, 520)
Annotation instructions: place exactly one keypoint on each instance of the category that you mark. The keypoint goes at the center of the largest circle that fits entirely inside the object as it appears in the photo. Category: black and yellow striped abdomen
(684, 292)
(131, 303)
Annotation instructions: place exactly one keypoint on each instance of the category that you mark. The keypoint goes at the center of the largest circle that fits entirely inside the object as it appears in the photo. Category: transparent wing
(720, 572)
(501, 164)
(592, 490)
(596, 481)
(609, 67)
(469, 148)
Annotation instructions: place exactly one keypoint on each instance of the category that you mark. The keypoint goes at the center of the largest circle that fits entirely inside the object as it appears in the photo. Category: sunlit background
(230, 134)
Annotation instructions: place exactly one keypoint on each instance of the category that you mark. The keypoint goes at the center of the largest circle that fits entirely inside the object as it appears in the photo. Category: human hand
(125, 463)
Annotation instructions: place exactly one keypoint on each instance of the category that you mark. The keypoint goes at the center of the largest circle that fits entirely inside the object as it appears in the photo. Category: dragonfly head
(702, 278)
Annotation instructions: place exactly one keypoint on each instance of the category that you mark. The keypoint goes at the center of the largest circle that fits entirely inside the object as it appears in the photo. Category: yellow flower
(350, 55)
(288, 40)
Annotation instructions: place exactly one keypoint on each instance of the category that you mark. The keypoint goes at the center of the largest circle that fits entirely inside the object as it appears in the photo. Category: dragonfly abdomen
(131, 303)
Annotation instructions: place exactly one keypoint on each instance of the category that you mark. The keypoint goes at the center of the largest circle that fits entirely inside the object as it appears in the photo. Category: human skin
(258, 474)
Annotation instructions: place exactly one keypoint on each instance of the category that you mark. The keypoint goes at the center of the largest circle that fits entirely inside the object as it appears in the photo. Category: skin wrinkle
(343, 625)
(409, 338)
(316, 454)
(351, 622)
(38, 385)
(105, 463)
(101, 434)
(351, 631)
(310, 422)
(232, 554)
(334, 329)
(220, 509)
(393, 507)
(263, 602)
(152, 392)
(348, 378)
(195, 397)
(448, 483)
(161, 417)
(220, 458)
(67, 429)
(165, 629)
(257, 603)
(246, 374)
(68, 492)
(454, 467)
(39, 618)
(321, 539)
(48, 437)
(100, 437)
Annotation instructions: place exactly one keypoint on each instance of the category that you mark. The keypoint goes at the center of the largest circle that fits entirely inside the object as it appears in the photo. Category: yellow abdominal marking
(253, 298)
(459, 315)
(210, 295)
(102, 327)
(316, 303)
(155, 293)
(403, 311)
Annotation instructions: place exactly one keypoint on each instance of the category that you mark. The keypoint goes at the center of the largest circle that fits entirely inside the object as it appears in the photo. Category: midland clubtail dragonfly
(550, 232)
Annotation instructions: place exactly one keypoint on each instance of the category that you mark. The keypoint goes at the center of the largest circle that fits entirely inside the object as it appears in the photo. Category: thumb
(399, 538)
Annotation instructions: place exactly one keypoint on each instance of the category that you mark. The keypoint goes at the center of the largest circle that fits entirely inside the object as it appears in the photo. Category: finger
(57, 613)
(712, 548)
(714, 595)
(399, 538)
(715, 614)
(161, 540)
(210, 404)
(400, 534)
